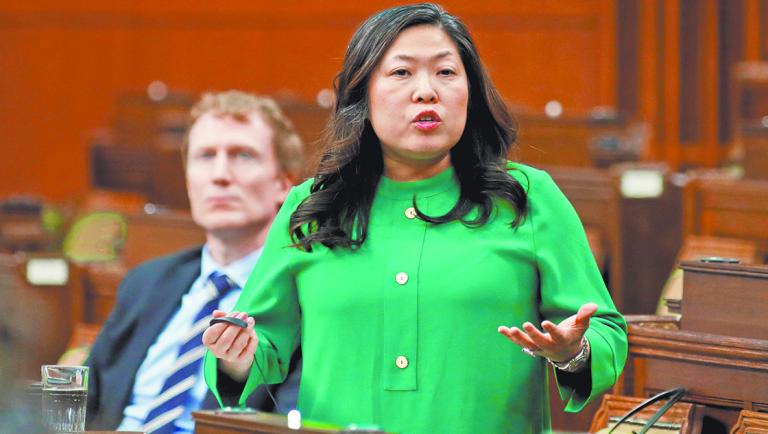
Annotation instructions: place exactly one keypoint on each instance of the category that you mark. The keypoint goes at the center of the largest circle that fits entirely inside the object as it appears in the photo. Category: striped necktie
(170, 403)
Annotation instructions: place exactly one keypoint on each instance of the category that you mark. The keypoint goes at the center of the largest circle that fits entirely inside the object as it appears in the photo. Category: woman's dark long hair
(337, 211)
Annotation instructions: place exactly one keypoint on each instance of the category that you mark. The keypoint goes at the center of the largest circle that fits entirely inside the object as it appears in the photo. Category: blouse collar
(422, 188)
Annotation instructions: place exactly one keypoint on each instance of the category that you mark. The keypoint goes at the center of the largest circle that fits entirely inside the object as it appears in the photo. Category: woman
(413, 244)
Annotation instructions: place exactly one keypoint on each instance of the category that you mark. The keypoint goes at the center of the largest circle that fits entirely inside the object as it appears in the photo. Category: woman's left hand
(560, 342)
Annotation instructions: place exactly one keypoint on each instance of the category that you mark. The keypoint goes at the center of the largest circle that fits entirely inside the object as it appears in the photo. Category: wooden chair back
(580, 141)
(683, 415)
(151, 235)
(751, 422)
(727, 208)
(697, 247)
(44, 289)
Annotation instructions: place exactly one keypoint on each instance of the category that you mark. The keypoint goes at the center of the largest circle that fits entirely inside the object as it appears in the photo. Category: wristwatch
(578, 362)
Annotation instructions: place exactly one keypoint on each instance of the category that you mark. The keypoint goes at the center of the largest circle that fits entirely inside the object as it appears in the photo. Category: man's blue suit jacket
(147, 298)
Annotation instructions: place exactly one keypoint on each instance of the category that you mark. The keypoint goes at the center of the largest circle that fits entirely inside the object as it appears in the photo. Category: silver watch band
(578, 362)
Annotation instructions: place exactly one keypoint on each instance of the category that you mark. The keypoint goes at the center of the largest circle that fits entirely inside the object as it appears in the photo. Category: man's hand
(560, 342)
(232, 345)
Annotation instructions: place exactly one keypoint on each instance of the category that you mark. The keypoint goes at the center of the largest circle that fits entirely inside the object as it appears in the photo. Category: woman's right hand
(232, 345)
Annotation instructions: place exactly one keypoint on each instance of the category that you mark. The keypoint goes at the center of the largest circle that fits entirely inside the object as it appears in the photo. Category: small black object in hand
(229, 320)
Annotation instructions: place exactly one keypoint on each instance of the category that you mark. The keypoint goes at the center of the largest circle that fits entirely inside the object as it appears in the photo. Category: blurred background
(652, 116)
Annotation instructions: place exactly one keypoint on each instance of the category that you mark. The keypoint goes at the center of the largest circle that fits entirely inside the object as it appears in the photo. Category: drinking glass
(65, 390)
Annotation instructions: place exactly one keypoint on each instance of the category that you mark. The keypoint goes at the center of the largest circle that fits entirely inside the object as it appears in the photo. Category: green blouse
(402, 333)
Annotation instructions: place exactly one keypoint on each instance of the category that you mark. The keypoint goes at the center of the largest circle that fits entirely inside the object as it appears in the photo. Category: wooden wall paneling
(670, 12)
(657, 77)
(732, 46)
(65, 64)
(651, 75)
(710, 83)
(607, 52)
(309, 119)
(687, 50)
(753, 31)
(763, 32)
(692, 47)
(627, 12)
(562, 34)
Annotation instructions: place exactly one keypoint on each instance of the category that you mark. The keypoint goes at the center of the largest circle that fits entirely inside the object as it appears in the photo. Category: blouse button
(401, 362)
(410, 213)
(401, 278)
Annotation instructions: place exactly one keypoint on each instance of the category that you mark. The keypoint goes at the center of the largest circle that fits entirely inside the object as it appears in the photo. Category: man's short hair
(238, 105)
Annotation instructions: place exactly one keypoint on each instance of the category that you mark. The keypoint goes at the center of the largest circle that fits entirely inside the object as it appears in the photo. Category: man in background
(146, 373)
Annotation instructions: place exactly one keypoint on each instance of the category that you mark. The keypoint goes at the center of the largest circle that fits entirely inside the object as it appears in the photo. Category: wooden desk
(217, 422)
(725, 299)
(114, 432)
(727, 374)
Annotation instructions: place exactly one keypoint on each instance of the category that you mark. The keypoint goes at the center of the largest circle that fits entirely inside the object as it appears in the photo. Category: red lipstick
(427, 120)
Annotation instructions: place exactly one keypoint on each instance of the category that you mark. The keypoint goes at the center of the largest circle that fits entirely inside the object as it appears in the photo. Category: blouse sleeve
(270, 298)
(569, 277)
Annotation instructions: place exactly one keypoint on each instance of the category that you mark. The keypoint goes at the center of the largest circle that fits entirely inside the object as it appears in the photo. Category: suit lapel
(142, 324)
(164, 300)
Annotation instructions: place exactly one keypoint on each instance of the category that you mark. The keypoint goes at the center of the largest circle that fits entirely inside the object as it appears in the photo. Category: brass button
(401, 362)
(401, 278)
(410, 213)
